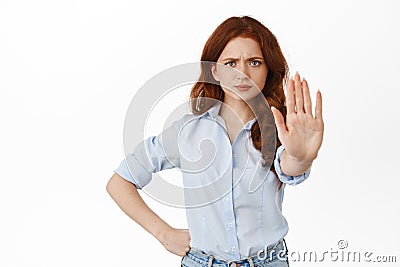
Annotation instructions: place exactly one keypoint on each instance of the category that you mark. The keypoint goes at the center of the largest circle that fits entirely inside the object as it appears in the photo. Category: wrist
(294, 166)
(162, 233)
(296, 160)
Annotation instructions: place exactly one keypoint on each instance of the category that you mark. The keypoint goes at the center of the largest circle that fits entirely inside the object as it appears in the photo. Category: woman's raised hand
(303, 132)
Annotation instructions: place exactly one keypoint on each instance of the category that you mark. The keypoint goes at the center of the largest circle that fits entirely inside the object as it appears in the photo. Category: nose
(242, 72)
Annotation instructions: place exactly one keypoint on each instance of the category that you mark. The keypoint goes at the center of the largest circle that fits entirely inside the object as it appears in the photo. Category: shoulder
(190, 117)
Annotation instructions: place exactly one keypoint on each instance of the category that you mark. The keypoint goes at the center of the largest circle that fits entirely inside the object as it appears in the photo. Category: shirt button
(233, 248)
(227, 200)
(230, 224)
(234, 155)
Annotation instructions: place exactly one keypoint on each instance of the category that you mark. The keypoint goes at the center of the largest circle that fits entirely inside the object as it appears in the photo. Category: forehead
(242, 46)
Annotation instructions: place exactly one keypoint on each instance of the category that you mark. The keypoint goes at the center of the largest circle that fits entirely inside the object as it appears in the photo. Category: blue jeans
(276, 256)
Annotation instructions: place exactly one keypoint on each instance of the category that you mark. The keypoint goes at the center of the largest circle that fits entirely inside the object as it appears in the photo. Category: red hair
(245, 27)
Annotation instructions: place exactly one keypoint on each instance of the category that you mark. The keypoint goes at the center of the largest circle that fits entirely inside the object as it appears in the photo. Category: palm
(303, 132)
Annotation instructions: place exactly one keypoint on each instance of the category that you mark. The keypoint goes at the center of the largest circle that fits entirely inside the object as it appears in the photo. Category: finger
(290, 97)
(318, 106)
(306, 97)
(298, 92)
(279, 121)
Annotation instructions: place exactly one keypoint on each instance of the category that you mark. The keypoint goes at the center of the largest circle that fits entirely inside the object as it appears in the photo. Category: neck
(232, 109)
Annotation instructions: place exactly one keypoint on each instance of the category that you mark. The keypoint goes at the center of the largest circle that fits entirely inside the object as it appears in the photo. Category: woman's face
(241, 69)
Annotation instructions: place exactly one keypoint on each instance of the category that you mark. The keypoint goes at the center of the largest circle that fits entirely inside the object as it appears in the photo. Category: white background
(69, 69)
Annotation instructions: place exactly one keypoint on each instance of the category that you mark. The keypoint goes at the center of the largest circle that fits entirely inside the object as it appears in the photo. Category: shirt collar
(213, 112)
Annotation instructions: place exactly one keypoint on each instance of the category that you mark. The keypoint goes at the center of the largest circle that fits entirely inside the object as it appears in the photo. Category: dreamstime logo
(340, 254)
(138, 114)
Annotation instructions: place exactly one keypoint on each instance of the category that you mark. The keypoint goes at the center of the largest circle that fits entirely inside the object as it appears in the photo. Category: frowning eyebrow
(248, 59)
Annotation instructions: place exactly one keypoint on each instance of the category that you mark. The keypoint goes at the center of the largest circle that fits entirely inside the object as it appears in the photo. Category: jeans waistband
(265, 255)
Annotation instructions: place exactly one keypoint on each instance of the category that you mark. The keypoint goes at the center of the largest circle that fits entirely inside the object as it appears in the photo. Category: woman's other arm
(127, 197)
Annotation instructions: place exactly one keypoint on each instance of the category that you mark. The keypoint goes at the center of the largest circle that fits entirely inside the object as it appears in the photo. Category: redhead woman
(261, 140)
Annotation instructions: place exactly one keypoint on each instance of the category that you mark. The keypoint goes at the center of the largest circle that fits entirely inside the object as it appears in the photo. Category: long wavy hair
(208, 87)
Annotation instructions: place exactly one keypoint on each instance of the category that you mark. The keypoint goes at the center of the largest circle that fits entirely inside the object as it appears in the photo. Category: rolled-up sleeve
(154, 154)
(287, 179)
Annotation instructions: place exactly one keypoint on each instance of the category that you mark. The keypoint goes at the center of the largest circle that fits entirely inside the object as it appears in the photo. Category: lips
(243, 87)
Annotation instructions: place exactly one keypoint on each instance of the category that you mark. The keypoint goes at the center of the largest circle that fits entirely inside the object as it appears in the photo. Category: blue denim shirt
(237, 208)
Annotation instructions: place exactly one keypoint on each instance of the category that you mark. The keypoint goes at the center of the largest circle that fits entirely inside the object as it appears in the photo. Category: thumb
(279, 121)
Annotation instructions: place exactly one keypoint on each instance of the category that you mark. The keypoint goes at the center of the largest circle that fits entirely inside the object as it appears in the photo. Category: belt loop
(284, 241)
(210, 261)
(251, 262)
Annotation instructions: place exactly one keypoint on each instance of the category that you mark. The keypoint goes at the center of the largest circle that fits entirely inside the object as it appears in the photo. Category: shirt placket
(230, 220)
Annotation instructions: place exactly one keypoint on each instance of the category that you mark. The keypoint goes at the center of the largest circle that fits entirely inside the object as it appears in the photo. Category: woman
(238, 220)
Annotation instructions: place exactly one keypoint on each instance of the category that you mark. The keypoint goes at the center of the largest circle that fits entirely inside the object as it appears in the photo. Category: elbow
(117, 184)
(110, 187)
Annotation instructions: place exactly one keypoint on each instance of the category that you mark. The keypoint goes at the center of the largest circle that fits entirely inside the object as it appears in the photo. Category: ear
(214, 71)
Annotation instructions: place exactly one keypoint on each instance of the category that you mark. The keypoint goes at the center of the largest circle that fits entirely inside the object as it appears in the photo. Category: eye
(230, 63)
(255, 63)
